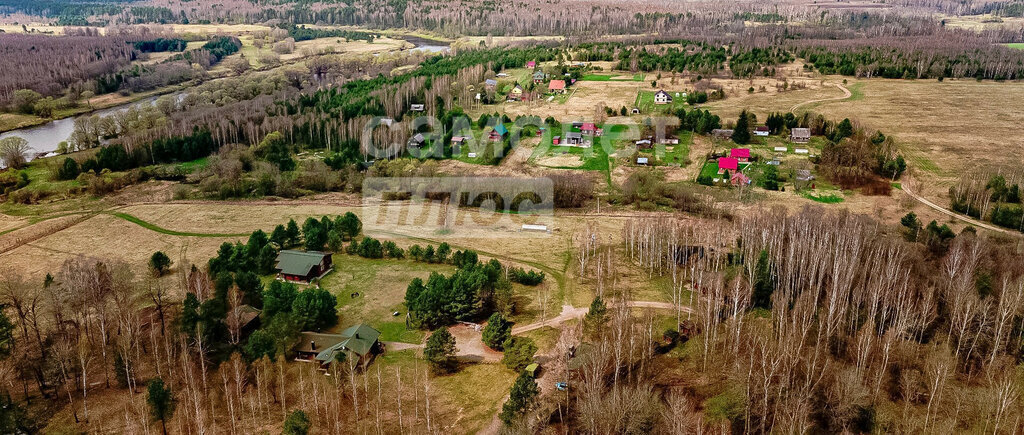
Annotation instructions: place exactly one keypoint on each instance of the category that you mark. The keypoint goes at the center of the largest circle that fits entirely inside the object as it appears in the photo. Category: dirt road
(569, 312)
(846, 94)
(967, 219)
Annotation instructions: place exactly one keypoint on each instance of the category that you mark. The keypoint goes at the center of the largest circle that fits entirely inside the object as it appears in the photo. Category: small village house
(739, 179)
(417, 107)
(641, 161)
(516, 93)
(499, 131)
(360, 343)
(761, 131)
(538, 77)
(588, 128)
(721, 133)
(248, 319)
(302, 266)
(644, 144)
(557, 86)
(457, 142)
(800, 135)
(740, 154)
(573, 138)
(490, 84)
(417, 141)
(662, 97)
(531, 64)
(727, 164)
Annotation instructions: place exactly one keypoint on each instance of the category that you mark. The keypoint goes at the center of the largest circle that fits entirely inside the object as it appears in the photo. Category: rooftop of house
(490, 82)
(740, 153)
(804, 132)
(588, 126)
(298, 262)
(762, 128)
(315, 341)
(556, 84)
(246, 314)
(500, 129)
(728, 163)
(661, 92)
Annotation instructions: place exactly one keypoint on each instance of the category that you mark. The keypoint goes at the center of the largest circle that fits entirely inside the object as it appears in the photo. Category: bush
(159, 263)
(69, 170)
(519, 352)
(497, 331)
(525, 277)
(315, 309)
(297, 423)
(440, 351)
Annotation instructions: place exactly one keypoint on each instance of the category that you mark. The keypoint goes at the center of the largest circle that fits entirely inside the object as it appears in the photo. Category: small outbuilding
(761, 131)
(800, 135)
(721, 133)
(740, 154)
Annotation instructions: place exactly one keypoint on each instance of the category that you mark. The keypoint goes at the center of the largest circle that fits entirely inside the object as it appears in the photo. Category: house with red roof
(727, 164)
(588, 128)
(740, 154)
(739, 179)
(531, 64)
(557, 86)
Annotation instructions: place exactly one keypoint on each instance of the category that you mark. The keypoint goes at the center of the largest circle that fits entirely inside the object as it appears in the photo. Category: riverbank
(17, 121)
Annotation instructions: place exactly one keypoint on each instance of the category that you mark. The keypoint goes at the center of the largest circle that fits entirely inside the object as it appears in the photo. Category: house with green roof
(360, 343)
(302, 266)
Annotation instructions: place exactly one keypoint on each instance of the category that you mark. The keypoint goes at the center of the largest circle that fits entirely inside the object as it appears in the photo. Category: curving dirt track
(846, 94)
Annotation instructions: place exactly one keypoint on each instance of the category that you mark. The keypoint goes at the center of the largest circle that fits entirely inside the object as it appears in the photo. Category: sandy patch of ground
(9, 222)
(561, 160)
(469, 345)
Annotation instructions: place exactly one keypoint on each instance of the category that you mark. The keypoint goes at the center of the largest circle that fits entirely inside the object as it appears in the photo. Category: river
(45, 138)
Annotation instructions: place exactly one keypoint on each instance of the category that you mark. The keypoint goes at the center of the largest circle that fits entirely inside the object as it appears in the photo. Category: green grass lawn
(381, 285)
(476, 391)
(678, 154)
(831, 198)
(611, 77)
(40, 178)
(645, 102)
(1016, 45)
(710, 169)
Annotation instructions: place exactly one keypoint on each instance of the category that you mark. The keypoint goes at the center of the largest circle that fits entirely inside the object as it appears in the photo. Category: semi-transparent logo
(477, 207)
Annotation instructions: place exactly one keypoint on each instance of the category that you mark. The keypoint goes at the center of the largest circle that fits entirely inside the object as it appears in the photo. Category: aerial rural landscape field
(532, 217)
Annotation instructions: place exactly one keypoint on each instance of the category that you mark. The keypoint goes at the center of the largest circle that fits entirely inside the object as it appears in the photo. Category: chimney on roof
(312, 344)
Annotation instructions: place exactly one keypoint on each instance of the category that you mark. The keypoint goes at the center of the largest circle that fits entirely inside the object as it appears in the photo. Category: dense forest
(50, 66)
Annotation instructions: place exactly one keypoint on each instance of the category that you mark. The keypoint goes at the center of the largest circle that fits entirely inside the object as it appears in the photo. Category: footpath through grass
(161, 230)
